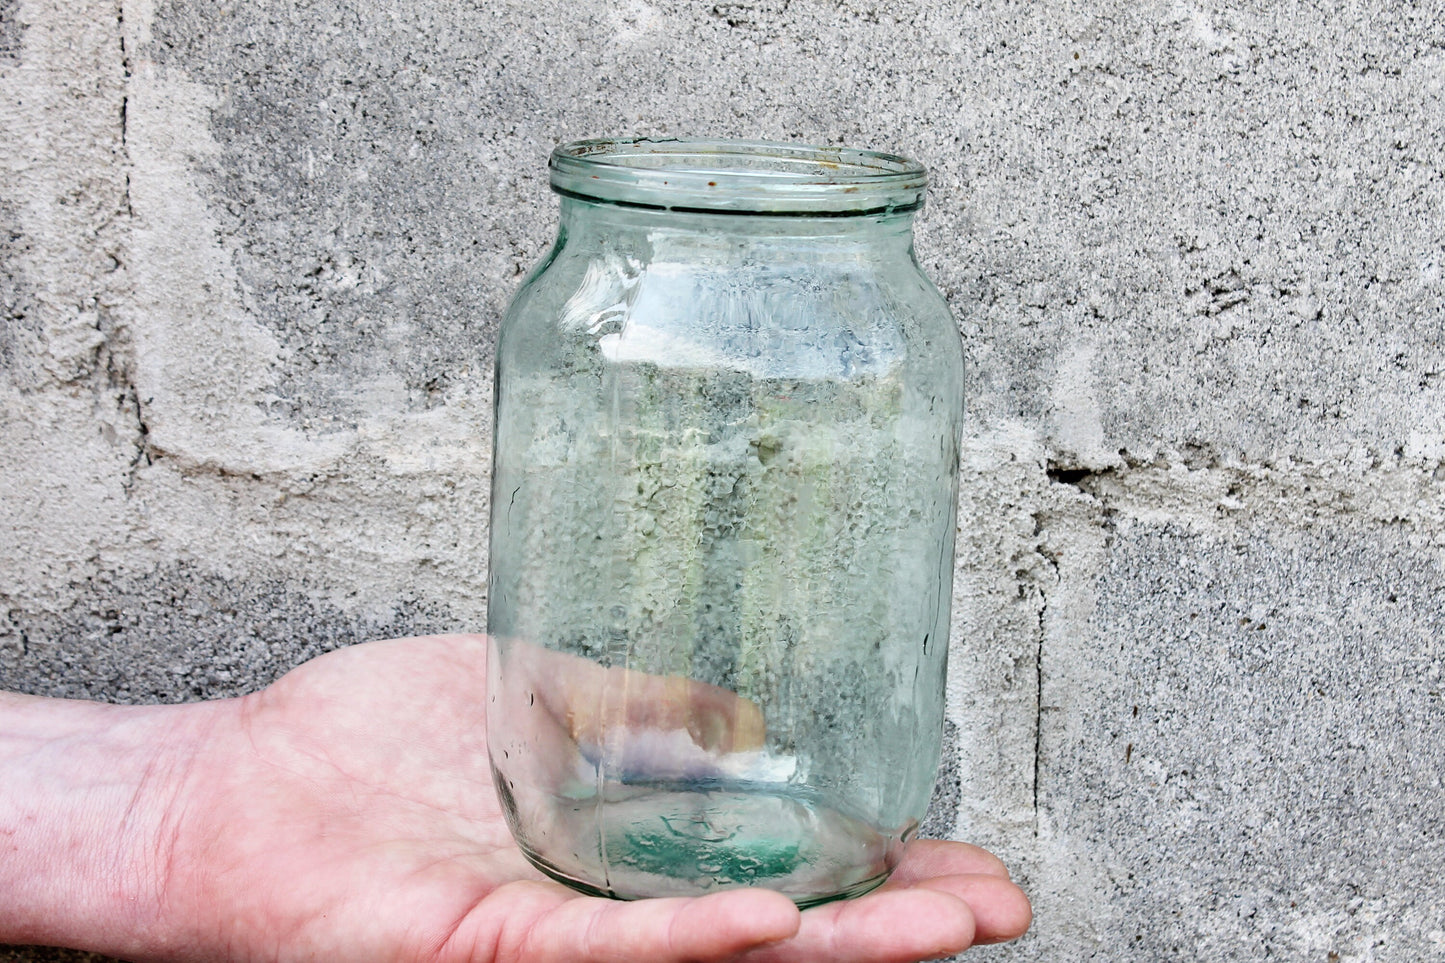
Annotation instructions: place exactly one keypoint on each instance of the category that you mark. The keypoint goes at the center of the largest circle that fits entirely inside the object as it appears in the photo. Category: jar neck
(652, 234)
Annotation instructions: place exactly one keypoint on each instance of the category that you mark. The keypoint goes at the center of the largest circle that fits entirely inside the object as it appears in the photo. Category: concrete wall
(252, 257)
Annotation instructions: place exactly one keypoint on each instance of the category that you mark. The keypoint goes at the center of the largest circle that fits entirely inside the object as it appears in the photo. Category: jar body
(723, 517)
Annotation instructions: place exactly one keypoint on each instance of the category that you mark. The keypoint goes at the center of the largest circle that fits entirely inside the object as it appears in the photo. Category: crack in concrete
(127, 73)
(1044, 590)
(122, 361)
(1039, 706)
(1402, 491)
(1214, 494)
(143, 447)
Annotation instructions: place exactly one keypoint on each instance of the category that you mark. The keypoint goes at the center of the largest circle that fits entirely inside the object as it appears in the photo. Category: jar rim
(738, 177)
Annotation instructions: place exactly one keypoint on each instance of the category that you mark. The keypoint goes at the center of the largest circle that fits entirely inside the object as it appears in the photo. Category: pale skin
(347, 813)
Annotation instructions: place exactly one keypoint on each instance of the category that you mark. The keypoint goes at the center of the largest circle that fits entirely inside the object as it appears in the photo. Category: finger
(716, 927)
(592, 700)
(717, 719)
(926, 858)
(1001, 910)
(899, 926)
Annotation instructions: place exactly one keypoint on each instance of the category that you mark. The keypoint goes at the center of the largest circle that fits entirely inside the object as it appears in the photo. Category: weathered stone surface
(1241, 750)
(46, 954)
(252, 257)
(1207, 230)
(183, 633)
(15, 296)
(1171, 228)
(10, 29)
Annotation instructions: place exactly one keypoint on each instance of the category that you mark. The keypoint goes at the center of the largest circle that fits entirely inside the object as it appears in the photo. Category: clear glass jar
(728, 412)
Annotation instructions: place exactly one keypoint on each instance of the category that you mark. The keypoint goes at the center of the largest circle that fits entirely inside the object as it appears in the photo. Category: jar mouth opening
(738, 177)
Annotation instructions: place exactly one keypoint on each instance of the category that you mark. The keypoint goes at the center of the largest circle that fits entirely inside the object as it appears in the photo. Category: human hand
(347, 812)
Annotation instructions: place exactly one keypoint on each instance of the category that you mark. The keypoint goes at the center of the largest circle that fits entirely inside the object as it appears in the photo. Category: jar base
(803, 902)
(690, 840)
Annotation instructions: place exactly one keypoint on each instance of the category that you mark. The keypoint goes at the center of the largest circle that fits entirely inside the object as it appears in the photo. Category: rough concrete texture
(252, 257)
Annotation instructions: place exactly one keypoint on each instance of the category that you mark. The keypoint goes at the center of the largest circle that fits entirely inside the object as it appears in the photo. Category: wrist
(90, 817)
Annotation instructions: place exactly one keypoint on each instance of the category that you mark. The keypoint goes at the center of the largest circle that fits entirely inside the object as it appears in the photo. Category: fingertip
(1001, 910)
(991, 865)
(958, 929)
(770, 916)
(940, 925)
(723, 925)
(942, 857)
(1008, 917)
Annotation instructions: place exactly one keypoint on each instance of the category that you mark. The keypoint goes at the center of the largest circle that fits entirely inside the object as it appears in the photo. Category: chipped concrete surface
(252, 257)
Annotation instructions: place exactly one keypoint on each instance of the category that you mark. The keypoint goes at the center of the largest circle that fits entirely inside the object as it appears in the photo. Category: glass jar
(728, 408)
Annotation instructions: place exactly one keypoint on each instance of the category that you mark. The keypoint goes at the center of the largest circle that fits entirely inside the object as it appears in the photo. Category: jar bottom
(687, 839)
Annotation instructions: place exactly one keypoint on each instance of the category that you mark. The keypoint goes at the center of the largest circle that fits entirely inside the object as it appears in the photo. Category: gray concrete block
(375, 223)
(1202, 229)
(184, 633)
(1242, 751)
(10, 28)
(16, 299)
(1167, 230)
(1000, 581)
(47, 954)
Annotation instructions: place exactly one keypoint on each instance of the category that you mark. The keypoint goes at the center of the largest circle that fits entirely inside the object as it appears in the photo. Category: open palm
(347, 813)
